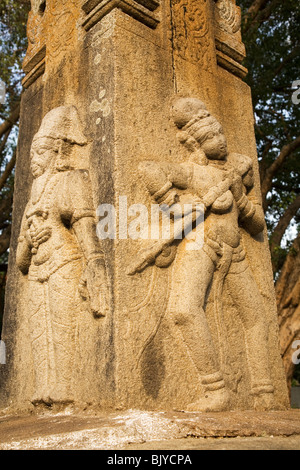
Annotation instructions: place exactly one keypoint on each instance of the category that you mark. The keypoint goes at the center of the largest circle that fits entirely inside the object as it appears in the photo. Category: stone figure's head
(53, 144)
(198, 129)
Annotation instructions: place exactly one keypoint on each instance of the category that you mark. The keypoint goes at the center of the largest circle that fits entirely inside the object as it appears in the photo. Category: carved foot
(217, 400)
(42, 399)
(53, 398)
(61, 398)
(264, 402)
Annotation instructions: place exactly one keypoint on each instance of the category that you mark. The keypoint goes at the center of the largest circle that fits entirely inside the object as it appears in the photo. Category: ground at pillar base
(142, 430)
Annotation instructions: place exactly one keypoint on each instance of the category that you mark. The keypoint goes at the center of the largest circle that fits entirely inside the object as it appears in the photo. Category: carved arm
(251, 214)
(162, 179)
(24, 254)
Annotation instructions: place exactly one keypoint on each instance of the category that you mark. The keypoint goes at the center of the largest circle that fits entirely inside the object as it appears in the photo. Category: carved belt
(60, 258)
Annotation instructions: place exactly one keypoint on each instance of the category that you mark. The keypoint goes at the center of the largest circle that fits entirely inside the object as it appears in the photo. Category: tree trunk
(288, 302)
(10, 121)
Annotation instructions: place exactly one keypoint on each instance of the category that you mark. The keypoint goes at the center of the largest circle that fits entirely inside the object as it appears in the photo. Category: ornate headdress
(192, 117)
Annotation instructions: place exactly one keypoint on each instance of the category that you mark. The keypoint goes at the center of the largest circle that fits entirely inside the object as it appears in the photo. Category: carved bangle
(212, 378)
(250, 212)
(81, 214)
(259, 389)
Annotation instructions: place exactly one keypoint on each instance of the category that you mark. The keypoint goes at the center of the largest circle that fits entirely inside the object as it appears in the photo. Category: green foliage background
(13, 44)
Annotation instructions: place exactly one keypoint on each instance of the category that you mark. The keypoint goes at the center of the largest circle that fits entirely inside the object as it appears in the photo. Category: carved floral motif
(229, 15)
(51, 23)
(62, 21)
(190, 23)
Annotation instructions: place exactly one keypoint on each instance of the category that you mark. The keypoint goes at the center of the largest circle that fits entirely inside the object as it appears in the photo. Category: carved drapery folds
(229, 46)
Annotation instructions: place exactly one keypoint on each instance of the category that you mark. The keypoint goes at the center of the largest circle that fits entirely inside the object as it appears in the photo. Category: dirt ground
(141, 430)
(223, 443)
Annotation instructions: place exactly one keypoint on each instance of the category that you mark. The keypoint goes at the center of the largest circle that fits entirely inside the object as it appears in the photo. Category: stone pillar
(121, 64)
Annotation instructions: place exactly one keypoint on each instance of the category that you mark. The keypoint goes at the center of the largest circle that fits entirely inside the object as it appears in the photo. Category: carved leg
(192, 277)
(41, 346)
(64, 303)
(245, 293)
(216, 397)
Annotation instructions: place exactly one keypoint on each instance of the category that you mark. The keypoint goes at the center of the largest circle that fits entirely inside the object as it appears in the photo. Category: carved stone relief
(224, 184)
(191, 28)
(229, 15)
(59, 253)
(34, 62)
(229, 46)
(56, 23)
(62, 22)
(51, 28)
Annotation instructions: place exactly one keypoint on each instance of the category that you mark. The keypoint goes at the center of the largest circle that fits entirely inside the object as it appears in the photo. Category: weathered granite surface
(139, 430)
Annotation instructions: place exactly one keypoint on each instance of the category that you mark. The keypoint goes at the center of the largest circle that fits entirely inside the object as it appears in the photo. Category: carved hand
(95, 288)
(37, 236)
